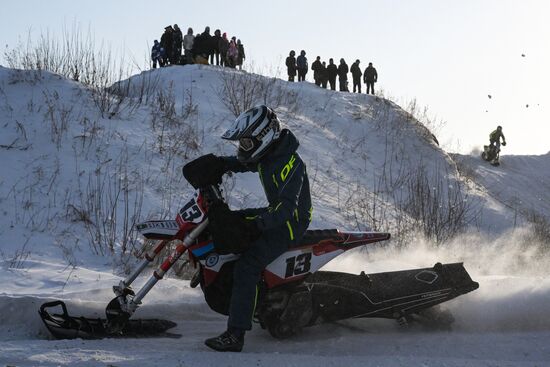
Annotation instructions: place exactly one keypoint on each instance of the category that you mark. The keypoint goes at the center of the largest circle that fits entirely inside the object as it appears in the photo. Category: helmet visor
(246, 144)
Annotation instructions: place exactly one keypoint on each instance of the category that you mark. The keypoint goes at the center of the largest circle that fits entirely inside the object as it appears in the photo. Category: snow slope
(521, 182)
(58, 151)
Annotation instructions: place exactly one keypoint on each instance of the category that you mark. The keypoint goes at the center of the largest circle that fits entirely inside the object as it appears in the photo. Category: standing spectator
(200, 50)
(241, 56)
(343, 75)
(156, 55)
(215, 45)
(323, 75)
(291, 66)
(223, 46)
(167, 42)
(207, 39)
(316, 66)
(188, 41)
(178, 41)
(301, 63)
(356, 75)
(232, 53)
(332, 72)
(370, 77)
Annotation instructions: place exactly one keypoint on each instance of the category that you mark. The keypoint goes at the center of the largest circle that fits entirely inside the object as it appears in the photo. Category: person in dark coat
(332, 72)
(223, 46)
(323, 75)
(207, 39)
(202, 47)
(370, 77)
(356, 75)
(242, 56)
(291, 68)
(269, 231)
(301, 64)
(167, 42)
(343, 75)
(495, 136)
(177, 41)
(215, 46)
(156, 55)
(316, 66)
(188, 41)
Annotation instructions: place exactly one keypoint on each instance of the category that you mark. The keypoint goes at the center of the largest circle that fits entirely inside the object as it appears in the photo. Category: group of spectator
(324, 74)
(197, 49)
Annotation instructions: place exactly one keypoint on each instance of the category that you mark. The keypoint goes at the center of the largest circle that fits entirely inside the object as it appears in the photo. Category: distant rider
(494, 138)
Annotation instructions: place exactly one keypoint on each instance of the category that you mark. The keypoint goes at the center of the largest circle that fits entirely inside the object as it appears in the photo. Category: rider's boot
(231, 340)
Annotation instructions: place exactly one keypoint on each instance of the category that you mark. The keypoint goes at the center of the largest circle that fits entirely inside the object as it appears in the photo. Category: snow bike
(293, 292)
(491, 154)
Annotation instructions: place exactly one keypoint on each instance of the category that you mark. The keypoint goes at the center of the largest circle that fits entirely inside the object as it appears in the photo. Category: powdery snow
(349, 142)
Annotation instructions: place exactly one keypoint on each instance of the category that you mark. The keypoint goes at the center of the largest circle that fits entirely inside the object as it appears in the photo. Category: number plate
(192, 211)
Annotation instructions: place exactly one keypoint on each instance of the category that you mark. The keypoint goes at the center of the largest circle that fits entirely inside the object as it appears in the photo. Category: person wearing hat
(232, 53)
(241, 56)
(343, 75)
(316, 67)
(223, 46)
(290, 63)
(301, 63)
(356, 75)
(188, 41)
(332, 73)
(167, 42)
(156, 55)
(370, 77)
(215, 47)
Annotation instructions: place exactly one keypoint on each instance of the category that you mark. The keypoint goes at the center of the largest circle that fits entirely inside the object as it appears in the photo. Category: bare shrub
(76, 56)
(17, 259)
(440, 208)
(58, 115)
(110, 206)
(432, 125)
(20, 142)
(464, 169)
(177, 130)
(241, 91)
(540, 226)
(140, 90)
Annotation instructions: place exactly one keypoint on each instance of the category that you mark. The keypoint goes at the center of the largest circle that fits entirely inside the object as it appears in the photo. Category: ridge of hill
(81, 167)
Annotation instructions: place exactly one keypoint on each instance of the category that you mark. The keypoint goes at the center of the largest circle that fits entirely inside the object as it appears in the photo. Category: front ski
(63, 326)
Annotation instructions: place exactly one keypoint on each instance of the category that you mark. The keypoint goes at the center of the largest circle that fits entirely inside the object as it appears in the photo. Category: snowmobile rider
(494, 138)
(261, 234)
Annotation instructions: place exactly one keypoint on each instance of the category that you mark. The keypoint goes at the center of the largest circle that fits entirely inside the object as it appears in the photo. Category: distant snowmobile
(293, 292)
(491, 153)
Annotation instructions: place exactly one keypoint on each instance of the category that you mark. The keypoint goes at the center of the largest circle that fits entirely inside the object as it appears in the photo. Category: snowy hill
(522, 183)
(80, 168)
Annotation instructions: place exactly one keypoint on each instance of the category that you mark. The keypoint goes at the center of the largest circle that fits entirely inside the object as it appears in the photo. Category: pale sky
(449, 55)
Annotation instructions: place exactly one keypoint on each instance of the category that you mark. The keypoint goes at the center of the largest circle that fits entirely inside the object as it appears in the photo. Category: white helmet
(256, 130)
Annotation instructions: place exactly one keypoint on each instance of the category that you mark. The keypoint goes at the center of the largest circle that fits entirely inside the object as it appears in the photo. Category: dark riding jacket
(496, 135)
(286, 185)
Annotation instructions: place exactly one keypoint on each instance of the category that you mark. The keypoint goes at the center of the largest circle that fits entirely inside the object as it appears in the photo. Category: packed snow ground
(56, 148)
